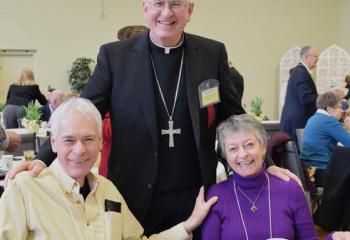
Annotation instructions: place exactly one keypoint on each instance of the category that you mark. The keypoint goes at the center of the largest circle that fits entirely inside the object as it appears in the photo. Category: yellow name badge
(209, 93)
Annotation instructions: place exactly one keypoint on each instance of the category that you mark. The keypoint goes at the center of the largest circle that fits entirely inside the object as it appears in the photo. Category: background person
(300, 101)
(20, 94)
(322, 133)
(54, 100)
(67, 201)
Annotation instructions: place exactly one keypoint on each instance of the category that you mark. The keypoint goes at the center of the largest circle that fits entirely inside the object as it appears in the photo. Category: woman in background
(20, 94)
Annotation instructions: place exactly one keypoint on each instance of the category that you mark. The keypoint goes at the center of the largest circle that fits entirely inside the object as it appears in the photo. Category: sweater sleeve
(338, 132)
(303, 223)
(41, 97)
(212, 224)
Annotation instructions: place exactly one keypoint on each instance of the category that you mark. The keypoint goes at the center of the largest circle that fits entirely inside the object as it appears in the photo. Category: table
(15, 164)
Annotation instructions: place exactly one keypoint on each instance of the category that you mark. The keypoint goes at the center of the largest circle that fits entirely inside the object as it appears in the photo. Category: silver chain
(269, 202)
(253, 207)
(177, 87)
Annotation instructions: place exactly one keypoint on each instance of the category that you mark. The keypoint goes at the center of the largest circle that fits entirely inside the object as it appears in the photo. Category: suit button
(155, 154)
(149, 185)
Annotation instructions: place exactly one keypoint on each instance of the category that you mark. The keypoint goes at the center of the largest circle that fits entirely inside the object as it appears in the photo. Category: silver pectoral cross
(171, 131)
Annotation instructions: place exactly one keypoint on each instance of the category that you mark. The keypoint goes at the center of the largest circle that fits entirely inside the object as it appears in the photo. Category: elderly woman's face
(244, 153)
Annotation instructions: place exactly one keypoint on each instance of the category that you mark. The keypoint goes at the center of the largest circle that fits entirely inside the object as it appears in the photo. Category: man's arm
(9, 140)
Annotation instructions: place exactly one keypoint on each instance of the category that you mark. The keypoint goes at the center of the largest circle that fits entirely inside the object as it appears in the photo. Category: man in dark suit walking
(300, 103)
(166, 91)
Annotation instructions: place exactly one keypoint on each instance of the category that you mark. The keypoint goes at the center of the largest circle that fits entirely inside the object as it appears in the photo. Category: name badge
(209, 93)
(112, 206)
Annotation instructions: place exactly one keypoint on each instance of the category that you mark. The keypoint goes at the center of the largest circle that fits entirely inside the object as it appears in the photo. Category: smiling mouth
(246, 163)
(166, 22)
(80, 162)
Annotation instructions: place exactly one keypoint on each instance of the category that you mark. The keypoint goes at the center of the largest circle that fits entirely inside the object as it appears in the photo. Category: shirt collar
(67, 183)
(307, 68)
(322, 111)
(168, 49)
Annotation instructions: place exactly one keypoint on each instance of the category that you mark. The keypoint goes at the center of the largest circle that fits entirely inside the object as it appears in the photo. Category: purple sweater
(291, 218)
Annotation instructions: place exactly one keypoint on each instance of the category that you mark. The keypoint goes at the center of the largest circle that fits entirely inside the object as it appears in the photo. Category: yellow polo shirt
(50, 207)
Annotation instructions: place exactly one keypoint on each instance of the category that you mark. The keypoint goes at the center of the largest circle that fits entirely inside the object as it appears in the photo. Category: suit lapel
(193, 63)
(144, 85)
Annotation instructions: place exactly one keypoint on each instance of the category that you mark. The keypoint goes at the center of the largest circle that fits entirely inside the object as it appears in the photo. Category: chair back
(299, 132)
(289, 159)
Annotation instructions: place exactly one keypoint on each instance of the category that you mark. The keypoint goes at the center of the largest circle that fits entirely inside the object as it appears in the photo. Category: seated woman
(322, 133)
(252, 203)
(20, 94)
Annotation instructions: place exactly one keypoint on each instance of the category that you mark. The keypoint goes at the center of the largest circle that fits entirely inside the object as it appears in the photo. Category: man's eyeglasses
(175, 6)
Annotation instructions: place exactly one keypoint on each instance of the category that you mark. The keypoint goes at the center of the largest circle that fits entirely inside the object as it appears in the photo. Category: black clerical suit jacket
(123, 84)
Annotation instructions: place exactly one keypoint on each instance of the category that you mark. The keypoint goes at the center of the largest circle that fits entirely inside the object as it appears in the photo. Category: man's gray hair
(304, 51)
(240, 124)
(74, 105)
(327, 99)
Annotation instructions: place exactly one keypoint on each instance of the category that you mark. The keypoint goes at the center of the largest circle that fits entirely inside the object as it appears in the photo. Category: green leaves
(32, 112)
(2, 105)
(256, 106)
(80, 73)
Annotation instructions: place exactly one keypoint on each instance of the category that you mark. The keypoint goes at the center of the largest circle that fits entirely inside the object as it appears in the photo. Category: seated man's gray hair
(72, 105)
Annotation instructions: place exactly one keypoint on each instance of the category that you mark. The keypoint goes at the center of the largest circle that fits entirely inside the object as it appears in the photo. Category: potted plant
(80, 73)
(32, 117)
(256, 108)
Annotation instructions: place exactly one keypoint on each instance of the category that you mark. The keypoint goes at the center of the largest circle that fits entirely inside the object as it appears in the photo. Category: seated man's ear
(53, 143)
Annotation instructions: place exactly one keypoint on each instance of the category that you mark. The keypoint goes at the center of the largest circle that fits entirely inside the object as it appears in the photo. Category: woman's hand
(200, 211)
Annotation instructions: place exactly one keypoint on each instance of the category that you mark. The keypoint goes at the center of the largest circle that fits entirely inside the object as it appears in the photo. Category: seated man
(55, 99)
(67, 200)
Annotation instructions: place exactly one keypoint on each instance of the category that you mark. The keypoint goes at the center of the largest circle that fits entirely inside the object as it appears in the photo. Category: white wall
(256, 33)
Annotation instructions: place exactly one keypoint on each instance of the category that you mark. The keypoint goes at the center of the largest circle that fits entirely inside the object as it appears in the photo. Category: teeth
(245, 164)
(165, 22)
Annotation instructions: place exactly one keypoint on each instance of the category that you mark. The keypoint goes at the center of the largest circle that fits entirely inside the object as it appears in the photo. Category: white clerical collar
(167, 49)
(322, 111)
(307, 68)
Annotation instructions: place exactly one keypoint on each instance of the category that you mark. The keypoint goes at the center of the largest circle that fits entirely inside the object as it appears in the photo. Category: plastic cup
(28, 155)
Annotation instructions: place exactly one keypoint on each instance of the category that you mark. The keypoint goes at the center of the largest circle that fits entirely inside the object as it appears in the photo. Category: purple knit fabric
(291, 218)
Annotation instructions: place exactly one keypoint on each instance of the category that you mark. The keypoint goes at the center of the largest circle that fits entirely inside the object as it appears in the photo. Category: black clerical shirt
(178, 166)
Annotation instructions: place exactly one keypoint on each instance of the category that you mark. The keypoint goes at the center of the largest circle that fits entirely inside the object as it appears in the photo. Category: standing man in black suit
(300, 103)
(54, 100)
(166, 91)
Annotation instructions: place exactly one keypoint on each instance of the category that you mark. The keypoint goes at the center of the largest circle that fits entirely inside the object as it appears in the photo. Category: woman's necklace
(253, 208)
(239, 206)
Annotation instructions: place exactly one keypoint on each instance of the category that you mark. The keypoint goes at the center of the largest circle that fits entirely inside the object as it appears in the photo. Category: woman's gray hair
(240, 124)
(327, 99)
(73, 105)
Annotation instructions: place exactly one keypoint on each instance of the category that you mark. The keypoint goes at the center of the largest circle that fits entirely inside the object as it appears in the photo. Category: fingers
(36, 168)
(211, 201)
(11, 174)
(278, 172)
(294, 177)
